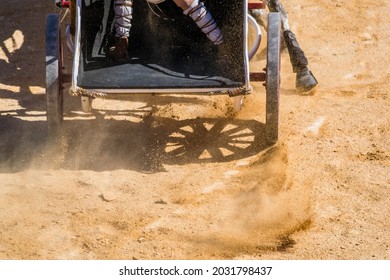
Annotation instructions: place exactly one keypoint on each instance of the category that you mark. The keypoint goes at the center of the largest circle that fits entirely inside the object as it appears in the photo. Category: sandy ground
(182, 177)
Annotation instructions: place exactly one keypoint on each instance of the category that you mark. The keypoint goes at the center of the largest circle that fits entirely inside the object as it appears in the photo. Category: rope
(99, 94)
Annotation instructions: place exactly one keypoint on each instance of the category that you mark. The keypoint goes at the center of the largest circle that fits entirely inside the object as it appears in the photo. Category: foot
(305, 81)
(118, 52)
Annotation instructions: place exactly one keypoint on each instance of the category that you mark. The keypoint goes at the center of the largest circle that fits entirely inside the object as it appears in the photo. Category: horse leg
(305, 80)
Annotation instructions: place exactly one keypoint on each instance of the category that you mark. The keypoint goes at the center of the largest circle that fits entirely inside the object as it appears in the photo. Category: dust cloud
(266, 208)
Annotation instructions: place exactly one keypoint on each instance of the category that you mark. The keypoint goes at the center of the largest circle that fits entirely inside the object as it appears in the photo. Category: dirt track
(319, 194)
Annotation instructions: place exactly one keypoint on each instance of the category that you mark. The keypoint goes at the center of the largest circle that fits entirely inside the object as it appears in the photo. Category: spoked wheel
(54, 79)
(273, 78)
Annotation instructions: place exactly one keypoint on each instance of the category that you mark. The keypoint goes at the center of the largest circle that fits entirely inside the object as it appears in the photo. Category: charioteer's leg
(305, 80)
(122, 23)
(202, 17)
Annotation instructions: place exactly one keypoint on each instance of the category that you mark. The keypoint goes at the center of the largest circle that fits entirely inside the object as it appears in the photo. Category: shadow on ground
(109, 144)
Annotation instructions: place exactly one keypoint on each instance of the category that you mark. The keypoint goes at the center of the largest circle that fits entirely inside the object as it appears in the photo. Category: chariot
(167, 55)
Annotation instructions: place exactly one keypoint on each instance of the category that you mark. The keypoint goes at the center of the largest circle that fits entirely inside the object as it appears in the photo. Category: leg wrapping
(203, 19)
(297, 56)
(123, 16)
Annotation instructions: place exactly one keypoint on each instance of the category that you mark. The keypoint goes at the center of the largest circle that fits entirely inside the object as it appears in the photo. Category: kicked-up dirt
(184, 177)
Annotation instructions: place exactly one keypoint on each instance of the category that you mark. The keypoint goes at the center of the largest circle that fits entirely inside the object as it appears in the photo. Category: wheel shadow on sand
(147, 145)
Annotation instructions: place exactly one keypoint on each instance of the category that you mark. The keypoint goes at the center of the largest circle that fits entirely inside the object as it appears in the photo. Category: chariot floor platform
(166, 49)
